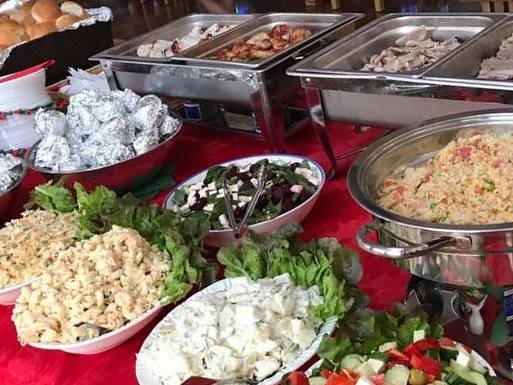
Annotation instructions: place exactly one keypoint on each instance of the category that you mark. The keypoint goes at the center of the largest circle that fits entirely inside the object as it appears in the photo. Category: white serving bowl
(10, 294)
(145, 375)
(220, 238)
(106, 341)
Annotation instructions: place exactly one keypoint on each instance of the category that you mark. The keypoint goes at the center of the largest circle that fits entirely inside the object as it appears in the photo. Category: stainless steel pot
(470, 256)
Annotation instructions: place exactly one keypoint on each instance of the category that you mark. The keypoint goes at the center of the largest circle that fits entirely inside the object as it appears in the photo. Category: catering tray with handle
(175, 29)
(318, 23)
(346, 57)
(463, 67)
(263, 91)
(472, 256)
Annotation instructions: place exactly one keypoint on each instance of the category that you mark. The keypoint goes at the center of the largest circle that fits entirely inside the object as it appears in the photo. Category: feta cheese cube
(266, 366)
(303, 335)
(254, 182)
(220, 194)
(364, 381)
(203, 193)
(297, 188)
(233, 188)
(418, 335)
(246, 314)
(241, 204)
(463, 359)
(211, 186)
(235, 196)
(191, 198)
(376, 365)
(240, 183)
(209, 208)
(224, 221)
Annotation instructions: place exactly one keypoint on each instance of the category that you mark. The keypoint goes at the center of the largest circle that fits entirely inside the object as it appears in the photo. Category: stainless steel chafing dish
(467, 256)
(337, 91)
(261, 88)
(464, 274)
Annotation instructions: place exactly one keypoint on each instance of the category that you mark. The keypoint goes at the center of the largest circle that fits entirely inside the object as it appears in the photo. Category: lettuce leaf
(322, 262)
(52, 197)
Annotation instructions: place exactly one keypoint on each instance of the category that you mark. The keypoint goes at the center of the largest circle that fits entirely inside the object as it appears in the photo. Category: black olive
(239, 212)
(246, 185)
(200, 203)
(232, 171)
(262, 202)
(304, 195)
(295, 165)
(270, 176)
(287, 205)
(254, 168)
(243, 176)
(277, 193)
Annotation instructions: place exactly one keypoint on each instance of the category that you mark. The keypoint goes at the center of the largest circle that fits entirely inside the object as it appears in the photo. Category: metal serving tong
(239, 229)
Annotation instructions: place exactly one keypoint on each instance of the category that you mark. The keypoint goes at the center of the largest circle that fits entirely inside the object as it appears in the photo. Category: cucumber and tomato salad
(426, 361)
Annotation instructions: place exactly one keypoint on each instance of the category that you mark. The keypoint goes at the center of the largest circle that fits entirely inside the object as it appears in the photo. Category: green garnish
(441, 217)
(432, 205)
(489, 185)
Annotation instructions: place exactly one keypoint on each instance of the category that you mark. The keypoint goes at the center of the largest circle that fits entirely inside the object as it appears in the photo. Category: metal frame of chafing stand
(271, 124)
(448, 305)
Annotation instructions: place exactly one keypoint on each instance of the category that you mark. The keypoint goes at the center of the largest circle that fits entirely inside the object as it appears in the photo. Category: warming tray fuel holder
(260, 87)
(336, 90)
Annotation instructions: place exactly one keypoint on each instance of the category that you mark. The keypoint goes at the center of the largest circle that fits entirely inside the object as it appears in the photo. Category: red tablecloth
(334, 215)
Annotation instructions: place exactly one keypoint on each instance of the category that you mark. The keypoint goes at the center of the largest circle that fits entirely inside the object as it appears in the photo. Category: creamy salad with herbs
(287, 186)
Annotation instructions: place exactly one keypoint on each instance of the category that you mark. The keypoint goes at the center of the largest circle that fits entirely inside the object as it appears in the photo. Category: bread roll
(10, 26)
(45, 11)
(65, 21)
(2, 47)
(27, 22)
(7, 38)
(21, 13)
(41, 29)
(72, 8)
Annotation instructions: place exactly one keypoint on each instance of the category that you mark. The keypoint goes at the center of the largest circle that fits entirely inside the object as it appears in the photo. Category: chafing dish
(176, 29)
(337, 91)
(263, 90)
(464, 255)
(464, 272)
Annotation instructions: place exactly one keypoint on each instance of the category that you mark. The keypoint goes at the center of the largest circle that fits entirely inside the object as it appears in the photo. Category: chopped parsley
(441, 217)
(432, 205)
(489, 185)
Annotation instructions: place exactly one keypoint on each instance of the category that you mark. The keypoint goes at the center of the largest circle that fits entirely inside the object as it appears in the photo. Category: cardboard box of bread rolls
(40, 29)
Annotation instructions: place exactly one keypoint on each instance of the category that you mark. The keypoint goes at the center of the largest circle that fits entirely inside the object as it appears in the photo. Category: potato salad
(250, 330)
(96, 286)
(29, 245)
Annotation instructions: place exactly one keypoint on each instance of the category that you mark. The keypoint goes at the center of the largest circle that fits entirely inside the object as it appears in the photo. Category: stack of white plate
(22, 90)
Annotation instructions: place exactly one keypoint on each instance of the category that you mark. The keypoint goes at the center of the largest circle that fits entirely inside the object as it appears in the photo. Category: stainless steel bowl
(466, 256)
(127, 175)
(9, 197)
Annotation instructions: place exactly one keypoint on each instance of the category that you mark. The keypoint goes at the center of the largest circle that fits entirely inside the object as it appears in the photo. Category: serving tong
(239, 228)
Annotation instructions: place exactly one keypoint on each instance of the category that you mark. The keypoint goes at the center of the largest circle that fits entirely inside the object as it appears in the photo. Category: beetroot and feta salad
(287, 186)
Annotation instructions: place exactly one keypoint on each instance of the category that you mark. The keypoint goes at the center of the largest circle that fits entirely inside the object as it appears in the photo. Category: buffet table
(335, 215)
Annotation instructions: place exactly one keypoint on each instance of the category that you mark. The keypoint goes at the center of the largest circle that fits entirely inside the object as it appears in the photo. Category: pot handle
(399, 252)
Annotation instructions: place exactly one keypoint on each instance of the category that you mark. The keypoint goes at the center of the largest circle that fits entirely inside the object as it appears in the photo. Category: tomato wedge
(446, 342)
(326, 373)
(411, 350)
(298, 378)
(342, 378)
(427, 365)
(395, 357)
(378, 379)
(426, 343)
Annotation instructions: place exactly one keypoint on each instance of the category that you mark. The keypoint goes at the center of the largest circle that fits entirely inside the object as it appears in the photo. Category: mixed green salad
(380, 348)
(100, 209)
(286, 187)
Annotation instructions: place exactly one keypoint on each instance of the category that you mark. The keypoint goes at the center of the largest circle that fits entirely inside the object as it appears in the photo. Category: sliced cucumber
(381, 356)
(436, 382)
(419, 335)
(317, 381)
(476, 366)
(467, 374)
(351, 361)
(365, 370)
(453, 379)
(397, 375)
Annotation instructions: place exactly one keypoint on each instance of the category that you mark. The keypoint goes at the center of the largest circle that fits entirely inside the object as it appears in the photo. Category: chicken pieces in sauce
(263, 45)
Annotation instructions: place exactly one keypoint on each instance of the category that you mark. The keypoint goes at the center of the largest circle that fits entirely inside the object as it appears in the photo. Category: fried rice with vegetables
(468, 182)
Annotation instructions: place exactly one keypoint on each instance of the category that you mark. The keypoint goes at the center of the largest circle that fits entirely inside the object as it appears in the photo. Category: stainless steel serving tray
(463, 67)
(319, 23)
(128, 51)
(344, 58)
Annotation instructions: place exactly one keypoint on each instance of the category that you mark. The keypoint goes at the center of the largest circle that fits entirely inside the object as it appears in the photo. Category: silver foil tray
(127, 51)
(318, 23)
(463, 67)
(345, 57)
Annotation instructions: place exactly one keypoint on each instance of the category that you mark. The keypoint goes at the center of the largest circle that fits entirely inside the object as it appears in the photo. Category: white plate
(10, 294)
(146, 377)
(106, 341)
(219, 238)
(475, 355)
